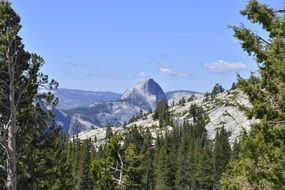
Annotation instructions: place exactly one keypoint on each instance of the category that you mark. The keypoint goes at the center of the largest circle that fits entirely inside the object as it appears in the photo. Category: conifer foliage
(260, 163)
(181, 159)
(25, 118)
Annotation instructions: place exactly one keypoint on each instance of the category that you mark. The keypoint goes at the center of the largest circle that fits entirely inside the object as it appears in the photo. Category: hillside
(223, 110)
(138, 100)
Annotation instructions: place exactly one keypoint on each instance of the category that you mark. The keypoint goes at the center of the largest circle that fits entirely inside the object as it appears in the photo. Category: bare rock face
(147, 94)
(223, 110)
(144, 97)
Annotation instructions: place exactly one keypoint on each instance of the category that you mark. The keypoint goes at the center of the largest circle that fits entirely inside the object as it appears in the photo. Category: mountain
(147, 94)
(222, 110)
(101, 114)
(141, 99)
(70, 98)
(179, 94)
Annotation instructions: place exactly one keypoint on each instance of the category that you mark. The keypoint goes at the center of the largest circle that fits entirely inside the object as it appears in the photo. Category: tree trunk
(120, 183)
(11, 183)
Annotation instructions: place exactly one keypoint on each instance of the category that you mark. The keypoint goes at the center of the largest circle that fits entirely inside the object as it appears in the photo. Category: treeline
(184, 158)
(34, 154)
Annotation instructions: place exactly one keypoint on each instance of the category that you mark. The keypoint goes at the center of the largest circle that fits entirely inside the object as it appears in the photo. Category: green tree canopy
(262, 151)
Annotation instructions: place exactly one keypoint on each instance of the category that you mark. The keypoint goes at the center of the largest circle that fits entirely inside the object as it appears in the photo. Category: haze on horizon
(111, 45)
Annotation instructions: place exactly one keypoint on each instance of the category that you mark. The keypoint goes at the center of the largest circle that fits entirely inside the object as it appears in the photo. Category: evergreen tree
(147, 154)
(166, 164)
(233, 86)
(182, 179)
(140, 113)
(262, 151)
(217, 89)
(205, 170)
(132, 169)
(60, 172)
(222, 154)
(23, 108)
(182, 101)
(101, 175)
(77, 162)
(110, 168)
(162, 170)
(235, 150)
(207, 96)
(109, 132)
(197, 113)
(86, 182)
(133, 136)
(162, 114)
(191, 98)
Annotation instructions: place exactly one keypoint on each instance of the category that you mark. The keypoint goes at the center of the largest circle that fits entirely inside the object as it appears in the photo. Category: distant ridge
(72, 98)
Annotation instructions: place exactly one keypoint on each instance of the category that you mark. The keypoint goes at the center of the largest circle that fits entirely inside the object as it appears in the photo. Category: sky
(110, 45)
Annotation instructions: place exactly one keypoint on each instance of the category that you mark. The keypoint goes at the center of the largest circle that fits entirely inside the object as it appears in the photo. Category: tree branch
(2, 167)
(4, 147)
(279, 10)
(277, 122)
(23, 91)
(265, 41)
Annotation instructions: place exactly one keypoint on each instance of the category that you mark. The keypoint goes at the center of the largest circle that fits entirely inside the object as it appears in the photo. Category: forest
(36, 154)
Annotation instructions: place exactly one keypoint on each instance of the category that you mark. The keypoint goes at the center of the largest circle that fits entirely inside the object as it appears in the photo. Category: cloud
(81, 65)
(113, 76)
(142, 74)
(167, 70)
(80, 68)
(221, 66)
(89, 70)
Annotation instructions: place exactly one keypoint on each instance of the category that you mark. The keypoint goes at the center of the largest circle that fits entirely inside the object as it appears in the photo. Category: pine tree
(109, 132)
(217, 89)
(133, 136)
(262, 151)
(233, 86)
(191, 98)
(132, 169)
(182, 179)
(165, 166)
(60, 172)
(196, 112)
(86, 182)
(101, 175)
(147, 154)
(21, 105)
(235, 150)
(162, 114)
(205, 170)
(162, 170)
(222, 154)
(110, 168)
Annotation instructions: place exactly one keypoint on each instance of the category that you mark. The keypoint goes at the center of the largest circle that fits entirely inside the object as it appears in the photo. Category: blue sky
(111, 45)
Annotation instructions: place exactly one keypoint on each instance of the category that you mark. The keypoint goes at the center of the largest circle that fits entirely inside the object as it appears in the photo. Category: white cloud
(142, 74)
(184, 74)
(80, 68)
(167, 70)
(113, 76)
(221, 66)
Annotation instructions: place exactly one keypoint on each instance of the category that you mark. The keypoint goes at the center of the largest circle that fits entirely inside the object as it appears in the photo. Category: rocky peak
(146, 94)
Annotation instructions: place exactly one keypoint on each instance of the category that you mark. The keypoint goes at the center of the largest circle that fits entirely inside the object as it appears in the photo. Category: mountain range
(80, 110)
(223, 110)
(71, 98)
